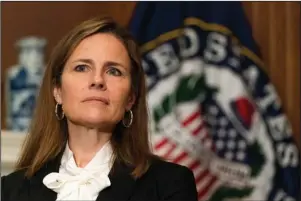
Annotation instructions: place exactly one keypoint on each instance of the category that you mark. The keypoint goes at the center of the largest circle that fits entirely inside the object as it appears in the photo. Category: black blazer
(162, 181)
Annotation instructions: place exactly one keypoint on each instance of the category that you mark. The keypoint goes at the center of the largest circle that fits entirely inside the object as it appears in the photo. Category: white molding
(11, 143)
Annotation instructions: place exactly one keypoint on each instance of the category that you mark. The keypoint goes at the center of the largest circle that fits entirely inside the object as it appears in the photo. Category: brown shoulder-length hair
(47, 135)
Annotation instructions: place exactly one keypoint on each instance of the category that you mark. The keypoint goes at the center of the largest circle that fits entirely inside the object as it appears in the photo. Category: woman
(89, 136)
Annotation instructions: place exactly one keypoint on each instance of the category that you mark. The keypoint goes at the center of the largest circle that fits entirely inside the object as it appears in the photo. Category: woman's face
(96, 83)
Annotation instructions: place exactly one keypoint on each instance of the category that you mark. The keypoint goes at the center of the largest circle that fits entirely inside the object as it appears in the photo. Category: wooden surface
(276, 28)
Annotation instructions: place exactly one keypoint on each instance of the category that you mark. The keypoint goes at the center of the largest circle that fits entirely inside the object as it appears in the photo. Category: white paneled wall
(11, 143)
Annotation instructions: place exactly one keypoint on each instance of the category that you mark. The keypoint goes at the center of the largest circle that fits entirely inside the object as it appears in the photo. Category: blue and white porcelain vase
(23, 81)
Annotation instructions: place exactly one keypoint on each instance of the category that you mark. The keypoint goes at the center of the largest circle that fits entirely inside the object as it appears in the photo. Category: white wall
(11, 143)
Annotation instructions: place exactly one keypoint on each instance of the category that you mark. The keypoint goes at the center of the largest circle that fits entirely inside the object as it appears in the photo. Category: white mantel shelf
(11, 143)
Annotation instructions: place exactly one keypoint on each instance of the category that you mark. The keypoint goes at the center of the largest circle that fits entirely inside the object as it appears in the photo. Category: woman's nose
(98, 82)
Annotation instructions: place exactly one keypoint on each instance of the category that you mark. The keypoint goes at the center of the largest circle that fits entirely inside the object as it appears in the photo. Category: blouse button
(87, 182)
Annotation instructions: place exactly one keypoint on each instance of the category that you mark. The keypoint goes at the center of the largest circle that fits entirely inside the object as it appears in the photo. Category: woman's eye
(81, 68)
(114, 71)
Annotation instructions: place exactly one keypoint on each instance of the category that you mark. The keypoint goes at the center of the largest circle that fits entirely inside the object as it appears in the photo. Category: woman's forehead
(102, 46)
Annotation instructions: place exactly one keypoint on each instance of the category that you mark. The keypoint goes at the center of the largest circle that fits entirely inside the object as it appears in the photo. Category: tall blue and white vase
(23, 81)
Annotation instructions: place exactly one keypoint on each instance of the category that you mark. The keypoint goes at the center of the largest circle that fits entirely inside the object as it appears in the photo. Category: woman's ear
(131, 101)
(57, 95)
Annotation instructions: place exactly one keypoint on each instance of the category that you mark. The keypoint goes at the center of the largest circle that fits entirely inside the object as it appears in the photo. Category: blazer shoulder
(174, 181)
(15, 176)
(10, 182)
(161, 166)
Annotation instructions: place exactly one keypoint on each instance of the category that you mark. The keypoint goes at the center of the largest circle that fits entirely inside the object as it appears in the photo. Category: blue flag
(212, 107)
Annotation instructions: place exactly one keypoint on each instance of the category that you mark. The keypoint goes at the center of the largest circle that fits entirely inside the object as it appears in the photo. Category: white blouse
(75, 183)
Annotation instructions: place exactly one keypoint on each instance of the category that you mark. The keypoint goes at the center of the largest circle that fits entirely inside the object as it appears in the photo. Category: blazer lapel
(122, 184)
(38, 191)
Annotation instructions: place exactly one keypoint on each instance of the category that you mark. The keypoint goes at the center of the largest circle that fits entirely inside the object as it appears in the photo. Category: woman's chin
(92, 122)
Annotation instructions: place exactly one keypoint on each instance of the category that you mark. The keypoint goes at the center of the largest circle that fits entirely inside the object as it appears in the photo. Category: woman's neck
(85, 143)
